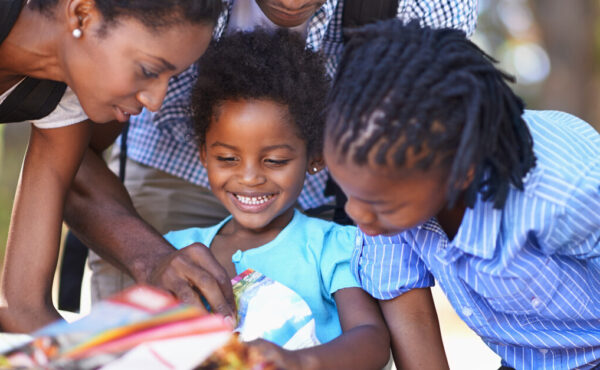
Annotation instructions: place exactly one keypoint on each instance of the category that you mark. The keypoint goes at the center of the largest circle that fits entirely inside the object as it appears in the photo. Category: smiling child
(259, 117)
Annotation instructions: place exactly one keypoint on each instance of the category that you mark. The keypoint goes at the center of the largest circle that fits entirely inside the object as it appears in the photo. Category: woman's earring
(315, 170)
(77, 33)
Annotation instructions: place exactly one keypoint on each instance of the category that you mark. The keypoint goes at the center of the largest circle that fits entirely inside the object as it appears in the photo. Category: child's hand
(262, 351)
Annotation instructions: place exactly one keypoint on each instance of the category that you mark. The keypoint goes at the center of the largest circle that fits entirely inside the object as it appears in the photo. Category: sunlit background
(552, 47)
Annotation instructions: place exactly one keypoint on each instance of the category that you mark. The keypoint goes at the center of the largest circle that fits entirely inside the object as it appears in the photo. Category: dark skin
(107, 75)
(148, 257)
(256, 165)
(289, 13)
(360, 318)
(362, 341)
(145, 255)
(415, 331)
(401, 199)
(50, 163)
(232, 238)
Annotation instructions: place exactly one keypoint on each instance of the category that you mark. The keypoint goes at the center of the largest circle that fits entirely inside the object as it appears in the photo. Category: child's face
(387, 201)
(256, 162)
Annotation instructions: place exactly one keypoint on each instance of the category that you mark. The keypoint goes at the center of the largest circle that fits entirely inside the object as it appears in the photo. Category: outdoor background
(553, 49)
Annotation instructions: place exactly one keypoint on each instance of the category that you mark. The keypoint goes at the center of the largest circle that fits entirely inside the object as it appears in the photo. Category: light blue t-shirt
(310, 256)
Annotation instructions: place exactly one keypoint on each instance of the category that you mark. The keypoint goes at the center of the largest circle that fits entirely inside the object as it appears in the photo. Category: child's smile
(256, 162)
(253, 202)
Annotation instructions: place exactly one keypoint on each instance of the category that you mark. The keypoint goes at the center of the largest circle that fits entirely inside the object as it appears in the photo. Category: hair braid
(402, 88)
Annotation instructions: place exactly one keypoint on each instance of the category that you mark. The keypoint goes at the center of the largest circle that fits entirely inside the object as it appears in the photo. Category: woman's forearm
(34, 234)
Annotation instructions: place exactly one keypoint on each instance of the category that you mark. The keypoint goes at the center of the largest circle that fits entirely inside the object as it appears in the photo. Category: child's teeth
(253, 200)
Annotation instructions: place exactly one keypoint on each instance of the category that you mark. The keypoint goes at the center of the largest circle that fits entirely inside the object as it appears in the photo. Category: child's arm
(364, 343)
(50, 164)
(415, 331)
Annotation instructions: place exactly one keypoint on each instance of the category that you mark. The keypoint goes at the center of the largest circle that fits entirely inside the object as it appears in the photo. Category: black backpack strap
(31, 99)
(123, 152)
(357, 13)
(9, 12)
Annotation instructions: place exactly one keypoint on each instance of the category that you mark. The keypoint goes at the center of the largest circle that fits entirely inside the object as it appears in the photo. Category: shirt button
(535, 302)
(467, 311)
(237, 256)
(543, 351)
(358, 241)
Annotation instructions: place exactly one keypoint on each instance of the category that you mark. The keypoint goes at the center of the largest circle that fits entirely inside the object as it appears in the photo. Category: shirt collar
(317, 25)
(479, 229)
(477, 234)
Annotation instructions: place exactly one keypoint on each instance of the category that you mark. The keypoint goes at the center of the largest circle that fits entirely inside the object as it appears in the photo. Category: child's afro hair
(264, 64)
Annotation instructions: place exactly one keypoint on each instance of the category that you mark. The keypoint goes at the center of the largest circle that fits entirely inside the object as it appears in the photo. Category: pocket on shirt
(521, 288)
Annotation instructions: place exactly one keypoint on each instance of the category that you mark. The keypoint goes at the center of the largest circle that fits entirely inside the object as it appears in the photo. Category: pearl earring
(315, 170)
(77, 33)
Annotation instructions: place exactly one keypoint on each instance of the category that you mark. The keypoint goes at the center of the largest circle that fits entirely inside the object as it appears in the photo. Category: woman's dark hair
(154, 14)
(405, 89)
(264, 64)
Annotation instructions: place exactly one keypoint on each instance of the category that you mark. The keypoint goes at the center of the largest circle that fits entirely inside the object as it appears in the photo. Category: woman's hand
(192, 272)
(100, 212)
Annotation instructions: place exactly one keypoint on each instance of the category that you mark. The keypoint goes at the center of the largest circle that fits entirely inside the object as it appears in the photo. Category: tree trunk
(569, 33)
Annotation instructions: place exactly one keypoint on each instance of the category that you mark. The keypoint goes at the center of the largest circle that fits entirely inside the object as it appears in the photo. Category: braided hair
(403, 90)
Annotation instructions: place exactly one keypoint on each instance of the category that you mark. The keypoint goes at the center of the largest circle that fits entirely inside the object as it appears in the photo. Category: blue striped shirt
(526, 278)
(164, 140)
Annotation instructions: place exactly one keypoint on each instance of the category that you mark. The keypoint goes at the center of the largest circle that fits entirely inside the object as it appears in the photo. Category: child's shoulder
(322, 224)
(566, 150)
(182, 238)
(319, 228)
(555, 131)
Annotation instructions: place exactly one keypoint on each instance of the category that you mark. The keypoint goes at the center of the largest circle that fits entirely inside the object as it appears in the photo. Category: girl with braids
(258, 108)
(104, 60)
(448, 178)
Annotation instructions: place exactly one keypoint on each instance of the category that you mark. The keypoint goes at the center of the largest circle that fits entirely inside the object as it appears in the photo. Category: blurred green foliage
(13, 142)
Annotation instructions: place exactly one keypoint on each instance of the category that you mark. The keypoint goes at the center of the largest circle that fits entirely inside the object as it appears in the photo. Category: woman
(116, 57)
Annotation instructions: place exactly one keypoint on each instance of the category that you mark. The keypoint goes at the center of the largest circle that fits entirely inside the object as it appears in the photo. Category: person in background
(108, 60)
(449, 178)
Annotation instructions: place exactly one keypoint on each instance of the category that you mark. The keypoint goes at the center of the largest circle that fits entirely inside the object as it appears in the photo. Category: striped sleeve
(568, 150)
(389, 267)
(577, 231)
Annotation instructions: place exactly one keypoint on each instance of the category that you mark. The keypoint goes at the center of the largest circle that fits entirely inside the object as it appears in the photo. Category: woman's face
(116, 74)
